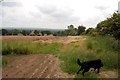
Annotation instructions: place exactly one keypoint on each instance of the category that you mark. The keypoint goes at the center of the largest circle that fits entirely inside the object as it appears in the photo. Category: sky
(55, 14)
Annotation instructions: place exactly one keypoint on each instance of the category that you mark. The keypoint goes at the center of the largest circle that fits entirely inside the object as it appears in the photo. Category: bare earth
(41, 65)
(33, 66)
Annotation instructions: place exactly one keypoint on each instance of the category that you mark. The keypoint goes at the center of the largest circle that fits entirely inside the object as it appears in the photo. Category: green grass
(20, 47)
(4, 62)
(105, 48)
(23, 47)
(45, 48)
(89, 45)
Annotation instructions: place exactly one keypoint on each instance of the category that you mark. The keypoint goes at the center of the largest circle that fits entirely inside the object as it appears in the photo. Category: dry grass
(43, 39)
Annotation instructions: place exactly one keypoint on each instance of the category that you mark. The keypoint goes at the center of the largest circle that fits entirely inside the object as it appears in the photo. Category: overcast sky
(55, 14)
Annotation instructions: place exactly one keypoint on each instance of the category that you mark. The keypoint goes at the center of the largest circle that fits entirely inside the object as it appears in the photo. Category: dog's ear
(78, 62)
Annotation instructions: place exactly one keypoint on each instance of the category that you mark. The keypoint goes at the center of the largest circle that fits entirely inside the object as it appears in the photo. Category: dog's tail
(78, 62)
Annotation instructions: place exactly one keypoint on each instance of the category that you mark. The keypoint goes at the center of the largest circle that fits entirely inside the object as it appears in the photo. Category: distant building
(40, 34)
(45, 34)
(119, 7)
(32, 33)
(51, 35)
(20, 34)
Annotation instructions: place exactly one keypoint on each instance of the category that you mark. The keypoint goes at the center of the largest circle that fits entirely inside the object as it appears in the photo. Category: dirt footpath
(33, 66)
(108, 74)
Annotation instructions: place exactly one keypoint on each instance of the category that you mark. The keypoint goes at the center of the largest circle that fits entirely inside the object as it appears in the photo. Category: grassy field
(105, 48)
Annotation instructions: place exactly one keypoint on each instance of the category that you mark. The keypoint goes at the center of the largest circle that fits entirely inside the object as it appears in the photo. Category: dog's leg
(85, 70)
(94, 69)
(79, 70)
(98, 70)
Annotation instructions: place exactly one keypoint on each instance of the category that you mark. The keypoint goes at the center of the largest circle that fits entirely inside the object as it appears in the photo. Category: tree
(115, 29)
(89, 30)
(26, 32)
(110, 26)
(71, 30)
(71, 27)
(15, 32)
(46, 32)
(59, 33)
(81, 29)
(4, 32)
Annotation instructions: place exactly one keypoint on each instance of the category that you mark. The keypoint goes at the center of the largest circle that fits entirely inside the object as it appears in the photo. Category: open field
(55, 57)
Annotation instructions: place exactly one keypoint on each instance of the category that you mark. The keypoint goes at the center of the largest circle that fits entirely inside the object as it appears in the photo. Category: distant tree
(71, 30)
(10, 32)
(91, 31)
(81, 29)
(4, 32)
(26, 32)
(60, 33)
(46, 32)
(1, 32)
(71, 27)
(15, 32)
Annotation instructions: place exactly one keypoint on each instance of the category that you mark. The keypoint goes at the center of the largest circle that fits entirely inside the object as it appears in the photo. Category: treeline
(110, 26)
(24, 32)
(70, 31)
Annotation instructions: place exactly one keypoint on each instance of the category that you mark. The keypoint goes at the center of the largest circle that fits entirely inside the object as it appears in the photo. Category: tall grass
(15, 48)
(23, 47)
(105, 48)
(45, 48)
(89, 45)
(96, 48)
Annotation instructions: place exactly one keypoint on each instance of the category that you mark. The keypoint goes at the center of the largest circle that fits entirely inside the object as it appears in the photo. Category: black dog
(85, 66)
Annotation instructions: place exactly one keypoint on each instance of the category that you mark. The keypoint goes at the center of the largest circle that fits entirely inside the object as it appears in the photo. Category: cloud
(11, 4)
(58, 14)
(47, 9)
(101, 7)
(35, 14)
(92, 21)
